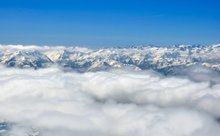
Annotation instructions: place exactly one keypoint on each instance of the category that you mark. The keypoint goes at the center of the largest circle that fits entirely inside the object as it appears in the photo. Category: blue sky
(104, 23)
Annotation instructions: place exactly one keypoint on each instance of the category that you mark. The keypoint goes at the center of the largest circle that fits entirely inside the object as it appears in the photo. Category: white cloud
(114, 103)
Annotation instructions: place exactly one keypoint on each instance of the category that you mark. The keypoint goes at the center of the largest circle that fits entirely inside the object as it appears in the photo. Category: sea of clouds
(51, 102)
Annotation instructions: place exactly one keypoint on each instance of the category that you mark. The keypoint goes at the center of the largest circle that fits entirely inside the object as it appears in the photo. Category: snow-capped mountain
(163, 59)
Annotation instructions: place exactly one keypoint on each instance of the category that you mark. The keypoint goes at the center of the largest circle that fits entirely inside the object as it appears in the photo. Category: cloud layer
(114, 103)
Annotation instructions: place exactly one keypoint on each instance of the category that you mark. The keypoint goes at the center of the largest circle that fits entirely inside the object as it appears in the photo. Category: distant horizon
(93, 45)
(102, 47)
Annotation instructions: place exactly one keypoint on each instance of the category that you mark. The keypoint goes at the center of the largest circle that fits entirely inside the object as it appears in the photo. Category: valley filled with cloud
(53, 102)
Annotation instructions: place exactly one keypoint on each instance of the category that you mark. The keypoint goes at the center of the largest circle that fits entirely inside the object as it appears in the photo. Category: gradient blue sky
(103, 23)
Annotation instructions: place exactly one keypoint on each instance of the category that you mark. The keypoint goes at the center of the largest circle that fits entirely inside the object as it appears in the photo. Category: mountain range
(163, 59)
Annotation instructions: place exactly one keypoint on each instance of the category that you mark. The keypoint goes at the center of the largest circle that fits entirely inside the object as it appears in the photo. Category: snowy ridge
(164, 59)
